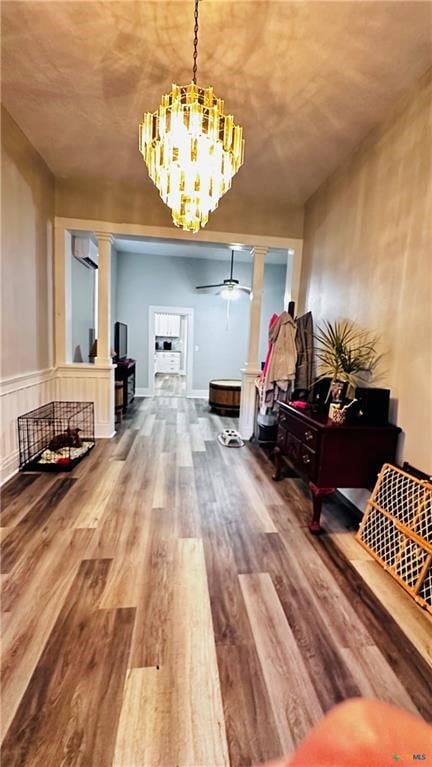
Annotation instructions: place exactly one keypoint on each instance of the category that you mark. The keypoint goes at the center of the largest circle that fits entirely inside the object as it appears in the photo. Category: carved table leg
(318, 493)
(278, 464)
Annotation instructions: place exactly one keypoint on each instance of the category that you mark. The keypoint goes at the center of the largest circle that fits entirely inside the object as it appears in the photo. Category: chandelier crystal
(192, 150)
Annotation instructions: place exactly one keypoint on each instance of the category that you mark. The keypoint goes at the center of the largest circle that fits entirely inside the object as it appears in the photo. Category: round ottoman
(224, 396)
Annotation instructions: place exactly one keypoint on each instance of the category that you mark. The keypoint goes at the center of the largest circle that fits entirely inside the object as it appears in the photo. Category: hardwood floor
(170, 384)
(164, 604)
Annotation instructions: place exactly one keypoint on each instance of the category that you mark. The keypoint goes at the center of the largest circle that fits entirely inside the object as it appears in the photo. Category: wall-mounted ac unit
(85, 251)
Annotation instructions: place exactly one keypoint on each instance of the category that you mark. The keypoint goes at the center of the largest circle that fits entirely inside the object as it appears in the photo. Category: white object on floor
(230, 438)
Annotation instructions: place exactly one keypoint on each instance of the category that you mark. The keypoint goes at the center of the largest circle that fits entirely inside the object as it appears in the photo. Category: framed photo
(337, 391)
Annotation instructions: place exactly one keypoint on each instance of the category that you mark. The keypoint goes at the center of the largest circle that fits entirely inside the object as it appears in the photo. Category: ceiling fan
(231, 288)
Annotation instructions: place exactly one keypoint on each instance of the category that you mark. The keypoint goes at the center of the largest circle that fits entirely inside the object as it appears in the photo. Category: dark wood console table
(328, 455)
(125, 372)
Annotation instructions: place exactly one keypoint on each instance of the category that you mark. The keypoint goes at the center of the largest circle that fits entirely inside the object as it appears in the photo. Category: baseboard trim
(198, 394)
(142, 392)
(9, 467)
(356, 500)
(104, 431)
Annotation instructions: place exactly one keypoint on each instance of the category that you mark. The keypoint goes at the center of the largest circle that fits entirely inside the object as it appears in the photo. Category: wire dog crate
(397, 530)
(55, 436)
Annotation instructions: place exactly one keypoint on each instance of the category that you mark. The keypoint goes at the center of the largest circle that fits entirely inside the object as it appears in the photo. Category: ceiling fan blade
(230, 283)
(201, 287)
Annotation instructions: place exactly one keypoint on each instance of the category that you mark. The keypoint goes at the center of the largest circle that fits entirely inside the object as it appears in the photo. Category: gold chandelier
(191, 148)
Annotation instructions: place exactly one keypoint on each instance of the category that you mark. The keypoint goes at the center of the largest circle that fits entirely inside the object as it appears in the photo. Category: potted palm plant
(346, 354)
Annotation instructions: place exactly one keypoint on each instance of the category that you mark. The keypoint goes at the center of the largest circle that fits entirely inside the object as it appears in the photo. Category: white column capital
(104, 237)
(260, 250)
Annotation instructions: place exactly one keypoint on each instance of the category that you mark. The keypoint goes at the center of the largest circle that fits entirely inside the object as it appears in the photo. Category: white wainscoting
(90, 383)
(19, 395)
(86, 383)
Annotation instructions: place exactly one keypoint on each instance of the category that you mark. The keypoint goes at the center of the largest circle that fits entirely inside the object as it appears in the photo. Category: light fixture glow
(192, 150)
(230, 293)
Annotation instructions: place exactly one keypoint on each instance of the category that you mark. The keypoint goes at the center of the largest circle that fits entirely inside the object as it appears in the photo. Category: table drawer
(305, 433)
(302, 458)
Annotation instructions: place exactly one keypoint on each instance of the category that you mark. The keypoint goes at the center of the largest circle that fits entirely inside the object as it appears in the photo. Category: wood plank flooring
(170, 385)
(165, 606)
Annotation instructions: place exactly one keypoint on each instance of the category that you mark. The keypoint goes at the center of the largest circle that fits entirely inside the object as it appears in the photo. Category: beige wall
(26, 251)
(368, 256)
(120, 203)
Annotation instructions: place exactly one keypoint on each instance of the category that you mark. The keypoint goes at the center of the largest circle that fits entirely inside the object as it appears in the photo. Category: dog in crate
(68, 438)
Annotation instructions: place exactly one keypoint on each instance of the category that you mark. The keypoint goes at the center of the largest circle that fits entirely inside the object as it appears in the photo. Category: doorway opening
(170, 351)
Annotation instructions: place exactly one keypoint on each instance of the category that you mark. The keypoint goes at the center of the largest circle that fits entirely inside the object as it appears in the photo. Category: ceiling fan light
(230, 293)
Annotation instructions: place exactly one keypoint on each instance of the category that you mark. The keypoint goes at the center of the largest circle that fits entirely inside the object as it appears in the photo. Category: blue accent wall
(144, 280)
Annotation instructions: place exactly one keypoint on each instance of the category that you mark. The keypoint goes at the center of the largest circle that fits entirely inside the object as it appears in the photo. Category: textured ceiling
(307, 80)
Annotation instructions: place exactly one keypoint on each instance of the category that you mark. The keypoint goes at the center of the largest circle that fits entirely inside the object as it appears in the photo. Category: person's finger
(363, 732)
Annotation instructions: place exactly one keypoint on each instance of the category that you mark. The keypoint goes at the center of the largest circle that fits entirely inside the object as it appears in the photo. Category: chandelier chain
(192, 149)
(195, 53)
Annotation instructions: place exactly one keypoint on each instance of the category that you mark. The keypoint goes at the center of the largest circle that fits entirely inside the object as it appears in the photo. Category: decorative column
(62, 296)
(104, 299)
(103, 367)
(252, 368)
(288, 278)
(296, 275)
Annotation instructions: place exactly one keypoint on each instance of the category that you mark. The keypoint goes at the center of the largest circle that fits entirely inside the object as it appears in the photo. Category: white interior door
(184, 342)
(181, 326)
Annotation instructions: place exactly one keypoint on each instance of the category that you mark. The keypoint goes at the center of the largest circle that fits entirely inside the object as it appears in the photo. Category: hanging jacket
(274, 318)
(261, 381)
(305, 346)
(282, 366)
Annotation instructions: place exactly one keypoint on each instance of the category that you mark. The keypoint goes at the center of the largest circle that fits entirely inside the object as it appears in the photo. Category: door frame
(184, 311)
